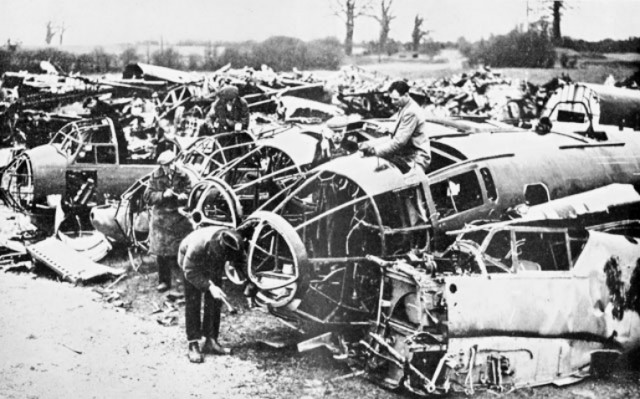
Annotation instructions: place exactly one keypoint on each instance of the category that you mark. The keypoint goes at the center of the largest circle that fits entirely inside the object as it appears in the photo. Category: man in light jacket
(409, 145)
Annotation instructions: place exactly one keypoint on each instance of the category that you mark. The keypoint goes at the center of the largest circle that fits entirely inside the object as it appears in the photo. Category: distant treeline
(631, 45)
(535, 49)
(531, 49)
(280, 53)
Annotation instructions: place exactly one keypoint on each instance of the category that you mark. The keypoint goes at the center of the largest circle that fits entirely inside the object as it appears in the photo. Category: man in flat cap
(168, 189)
(202, 256)
(230, 112)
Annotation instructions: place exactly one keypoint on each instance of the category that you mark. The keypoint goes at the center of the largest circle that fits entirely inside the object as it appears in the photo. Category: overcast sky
(94, 22)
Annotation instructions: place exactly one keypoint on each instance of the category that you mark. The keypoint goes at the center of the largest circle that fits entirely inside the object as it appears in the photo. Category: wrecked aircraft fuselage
(526, 306)
(309, 242)
(228, 194)
(82, 165)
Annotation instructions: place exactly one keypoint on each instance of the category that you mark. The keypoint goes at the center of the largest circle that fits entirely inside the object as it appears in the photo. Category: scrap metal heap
(482, 93)
(351, 246)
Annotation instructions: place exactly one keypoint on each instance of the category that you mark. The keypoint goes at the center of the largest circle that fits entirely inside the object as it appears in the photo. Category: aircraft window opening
(492, 194)
(575, 112)
(457, 194)
(571, 116)
(66, 142)
(535, 194)
(576, 245)
(101, 135)
(106, 154)
(86, 155)
(542, 251)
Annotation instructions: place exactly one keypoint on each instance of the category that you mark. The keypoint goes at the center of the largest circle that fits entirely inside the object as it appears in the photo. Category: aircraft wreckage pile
(513, 261)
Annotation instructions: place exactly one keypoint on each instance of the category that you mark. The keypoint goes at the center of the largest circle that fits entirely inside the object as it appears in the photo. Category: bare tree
(556, 9)
(384, 19)
(418, 33)
(61, 30)
(348, 11)
(51, 32)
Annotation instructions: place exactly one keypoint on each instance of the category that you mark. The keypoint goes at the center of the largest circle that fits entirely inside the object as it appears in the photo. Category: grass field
(621, 66)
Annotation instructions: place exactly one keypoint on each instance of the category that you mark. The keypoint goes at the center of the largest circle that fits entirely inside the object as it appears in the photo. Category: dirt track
(61, 341)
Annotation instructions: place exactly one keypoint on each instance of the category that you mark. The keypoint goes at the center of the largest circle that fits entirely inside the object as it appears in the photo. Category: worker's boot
(213, 347)
(194, 353)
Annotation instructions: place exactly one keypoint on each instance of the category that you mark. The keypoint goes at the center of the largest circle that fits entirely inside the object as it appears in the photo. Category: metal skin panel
(48, 166)
(598, 200)
(103, 219)
(91, 244)
(552, 304)
(485, 144)
(67, 262)
(591, 264)
(543, 304)
(618, 106)
(301, 148)
(600, 247)
(113, 179)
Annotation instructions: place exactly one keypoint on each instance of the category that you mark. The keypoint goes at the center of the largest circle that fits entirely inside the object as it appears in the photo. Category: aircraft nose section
(277, 261)
(35, 174)
(18, 180)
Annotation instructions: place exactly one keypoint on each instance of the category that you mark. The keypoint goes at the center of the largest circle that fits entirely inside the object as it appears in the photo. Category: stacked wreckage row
(513, 261)
(148, 99)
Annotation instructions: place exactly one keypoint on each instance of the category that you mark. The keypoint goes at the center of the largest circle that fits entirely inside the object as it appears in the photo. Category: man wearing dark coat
(168, 189)
(230, 112)
(202, 257)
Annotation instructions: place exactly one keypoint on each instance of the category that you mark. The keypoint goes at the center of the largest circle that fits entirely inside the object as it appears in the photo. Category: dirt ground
(58, 340)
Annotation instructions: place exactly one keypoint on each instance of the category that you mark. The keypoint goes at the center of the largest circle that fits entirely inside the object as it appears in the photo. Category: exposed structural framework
(230, 193)
(317, 250)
